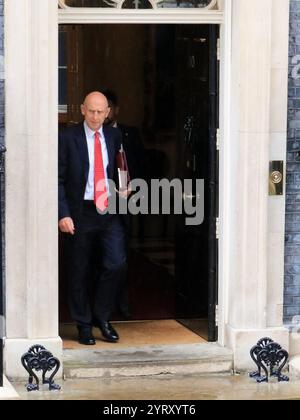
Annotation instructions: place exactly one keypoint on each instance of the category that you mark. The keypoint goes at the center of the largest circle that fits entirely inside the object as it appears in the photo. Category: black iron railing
(270, 359)
(2, 166)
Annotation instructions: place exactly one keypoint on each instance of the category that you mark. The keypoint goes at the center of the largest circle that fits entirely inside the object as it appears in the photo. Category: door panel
(213, 183)
(196, 246)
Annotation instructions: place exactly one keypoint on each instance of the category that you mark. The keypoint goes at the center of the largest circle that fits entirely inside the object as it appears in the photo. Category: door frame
(212, 14)
(222, 18)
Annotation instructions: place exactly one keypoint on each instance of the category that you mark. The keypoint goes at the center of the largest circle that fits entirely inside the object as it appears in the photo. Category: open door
(196, 246)
(168, 90)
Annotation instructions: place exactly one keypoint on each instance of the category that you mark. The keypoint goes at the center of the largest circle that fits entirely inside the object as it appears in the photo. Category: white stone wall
(31, 174)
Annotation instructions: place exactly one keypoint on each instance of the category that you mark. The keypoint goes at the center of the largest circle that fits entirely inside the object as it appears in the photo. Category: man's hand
(66, 225)
(124, 193)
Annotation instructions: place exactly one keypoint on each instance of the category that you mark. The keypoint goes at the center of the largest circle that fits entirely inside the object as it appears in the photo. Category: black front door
(196, 246)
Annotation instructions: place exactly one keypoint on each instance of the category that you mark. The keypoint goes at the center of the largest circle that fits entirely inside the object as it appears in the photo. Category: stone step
(201, 359)
(7, 392)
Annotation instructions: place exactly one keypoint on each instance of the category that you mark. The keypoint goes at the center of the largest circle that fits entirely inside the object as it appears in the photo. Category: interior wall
(114, 59)
(125, 59)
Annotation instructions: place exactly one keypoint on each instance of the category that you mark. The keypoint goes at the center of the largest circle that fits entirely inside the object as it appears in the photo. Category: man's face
(95, 111)
(113, 114)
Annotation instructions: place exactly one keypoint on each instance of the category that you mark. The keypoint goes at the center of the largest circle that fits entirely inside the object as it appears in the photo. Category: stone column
(253, 92)
(31, 51)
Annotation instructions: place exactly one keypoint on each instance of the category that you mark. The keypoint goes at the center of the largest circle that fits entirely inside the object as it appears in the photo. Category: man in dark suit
(134, 151)
(131, 139)
(87, 152)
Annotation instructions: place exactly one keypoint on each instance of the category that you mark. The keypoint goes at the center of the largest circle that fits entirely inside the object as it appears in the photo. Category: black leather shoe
(86, 337)
(108, 332)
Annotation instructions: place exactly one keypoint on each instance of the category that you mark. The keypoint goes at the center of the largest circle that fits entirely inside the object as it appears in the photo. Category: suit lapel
(83, 150)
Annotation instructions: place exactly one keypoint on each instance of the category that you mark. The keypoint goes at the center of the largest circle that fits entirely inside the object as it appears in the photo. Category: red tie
(100, 191)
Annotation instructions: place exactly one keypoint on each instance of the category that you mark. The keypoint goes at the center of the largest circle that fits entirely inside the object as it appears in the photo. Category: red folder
(123, 171)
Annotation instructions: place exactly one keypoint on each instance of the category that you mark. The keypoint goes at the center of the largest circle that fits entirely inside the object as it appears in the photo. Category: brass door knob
(276, 177)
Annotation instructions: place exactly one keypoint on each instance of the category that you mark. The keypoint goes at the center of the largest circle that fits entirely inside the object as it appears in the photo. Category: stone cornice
(90, 15)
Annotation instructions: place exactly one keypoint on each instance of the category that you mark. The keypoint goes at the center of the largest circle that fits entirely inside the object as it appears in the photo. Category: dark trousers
(102, 238)
(122, 301)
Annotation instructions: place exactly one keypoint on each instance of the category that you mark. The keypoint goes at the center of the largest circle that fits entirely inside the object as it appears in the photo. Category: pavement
(168, 388)
(7, 391)
(190, 371)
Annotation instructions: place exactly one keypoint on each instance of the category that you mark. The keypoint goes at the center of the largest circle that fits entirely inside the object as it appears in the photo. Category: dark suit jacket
(134, 150)
(73, 167)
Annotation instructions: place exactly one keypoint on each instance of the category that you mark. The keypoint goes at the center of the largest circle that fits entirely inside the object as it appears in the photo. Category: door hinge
(217, 228)
(217, 315)
(218, 49)
(218, 138)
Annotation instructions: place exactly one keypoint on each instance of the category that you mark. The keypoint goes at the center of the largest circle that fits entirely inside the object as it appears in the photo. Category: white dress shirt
(90, 139)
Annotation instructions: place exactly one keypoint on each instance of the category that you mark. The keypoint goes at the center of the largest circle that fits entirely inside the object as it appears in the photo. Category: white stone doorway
(213, 13)
(248, 242)
(32, 82)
